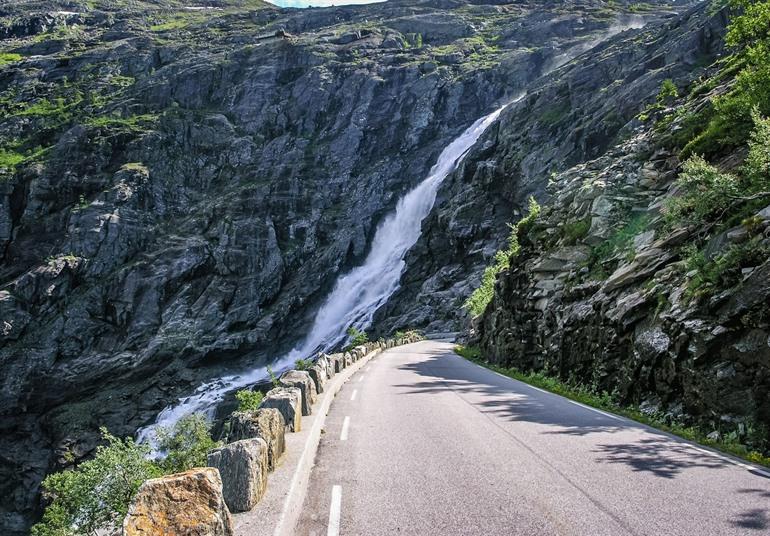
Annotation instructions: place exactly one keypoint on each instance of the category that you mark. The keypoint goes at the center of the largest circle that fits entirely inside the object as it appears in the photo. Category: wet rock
(243, 466)
(184, 504)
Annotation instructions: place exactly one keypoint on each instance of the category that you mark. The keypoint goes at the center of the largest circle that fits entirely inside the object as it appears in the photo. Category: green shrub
(723, 270)
(249, 400)
(356, 337)
(303, 364)
(185, 444)
(731, 122)
(708, 194)
(10, 159)
(96, 494)
(9, 57)
(409, 333)
(481, 297)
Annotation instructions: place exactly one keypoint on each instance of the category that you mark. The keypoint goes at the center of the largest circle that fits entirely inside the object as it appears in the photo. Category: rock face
(184, 504)
(603, 93)
(265, 423)
(179, 188)
(621, 320)
(288, 401)
(243, 467)
(301, 380)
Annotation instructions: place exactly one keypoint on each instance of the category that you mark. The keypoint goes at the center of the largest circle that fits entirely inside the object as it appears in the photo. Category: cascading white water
(357, 294)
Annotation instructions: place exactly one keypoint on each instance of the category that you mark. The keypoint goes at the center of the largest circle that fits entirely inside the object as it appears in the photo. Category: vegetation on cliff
(647, 275)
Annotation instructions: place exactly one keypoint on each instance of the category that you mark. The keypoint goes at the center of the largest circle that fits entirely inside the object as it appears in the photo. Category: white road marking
(353, 396)
(334, 512)
(693, 446)
(361, 378)
(345, 426)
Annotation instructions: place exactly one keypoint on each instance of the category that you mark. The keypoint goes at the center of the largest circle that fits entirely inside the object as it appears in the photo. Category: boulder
(338, 362)
(323, 362)
(318, 375)
(266, 423)
(183, 504)
(243, 468)
(288, 401)
(301, 379)
(348, 359)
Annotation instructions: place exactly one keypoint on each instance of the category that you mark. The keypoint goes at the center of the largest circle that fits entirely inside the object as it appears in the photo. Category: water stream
(360, 292)
(357, 294)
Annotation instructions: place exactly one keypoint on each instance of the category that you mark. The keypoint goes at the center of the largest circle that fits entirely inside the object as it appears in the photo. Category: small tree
(95, 496)
(186, 443)
(249, 400)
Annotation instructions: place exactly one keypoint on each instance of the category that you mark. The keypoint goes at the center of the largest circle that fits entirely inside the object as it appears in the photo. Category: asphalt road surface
(423, 442)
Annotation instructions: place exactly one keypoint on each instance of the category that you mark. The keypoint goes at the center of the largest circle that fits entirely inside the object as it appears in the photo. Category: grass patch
(605, 401)
(10, 159)
(134, 122)
(481, 297)
(7, 58)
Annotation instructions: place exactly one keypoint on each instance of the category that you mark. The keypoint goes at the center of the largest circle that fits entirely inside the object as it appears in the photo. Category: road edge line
(295, 497)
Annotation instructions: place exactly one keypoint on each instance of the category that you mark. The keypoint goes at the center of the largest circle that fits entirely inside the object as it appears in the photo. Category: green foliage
(356, 338)
(134, 122)
(708, 194)
(303, 364)
(9, 159)
(481, 297)
(619, 243)
(96, 494)
(731, 123)
(666, 95)
(9, 57)
(748, 445)
(668, 91)
(186, 443)
(273, 378)
(248, 400)
(576, 230)
(709, 275)
(409, 333)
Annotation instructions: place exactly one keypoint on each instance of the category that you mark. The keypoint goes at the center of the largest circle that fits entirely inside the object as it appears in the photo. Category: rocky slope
(180, 183)
(575, 114)
(606, 292)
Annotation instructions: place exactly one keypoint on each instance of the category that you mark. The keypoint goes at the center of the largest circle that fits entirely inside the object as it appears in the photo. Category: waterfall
(357, 294)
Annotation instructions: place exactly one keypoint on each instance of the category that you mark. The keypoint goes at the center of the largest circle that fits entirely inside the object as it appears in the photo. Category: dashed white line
(353, 396)
(361, 378)
(345, 426)
(334, 512)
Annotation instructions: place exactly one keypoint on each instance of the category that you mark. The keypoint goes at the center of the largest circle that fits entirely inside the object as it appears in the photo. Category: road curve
(423, 442)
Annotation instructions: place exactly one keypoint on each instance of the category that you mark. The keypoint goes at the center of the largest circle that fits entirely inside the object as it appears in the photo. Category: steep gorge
(181, 188)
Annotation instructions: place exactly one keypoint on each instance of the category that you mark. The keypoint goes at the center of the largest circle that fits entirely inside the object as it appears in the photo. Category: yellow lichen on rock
(183, 504)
